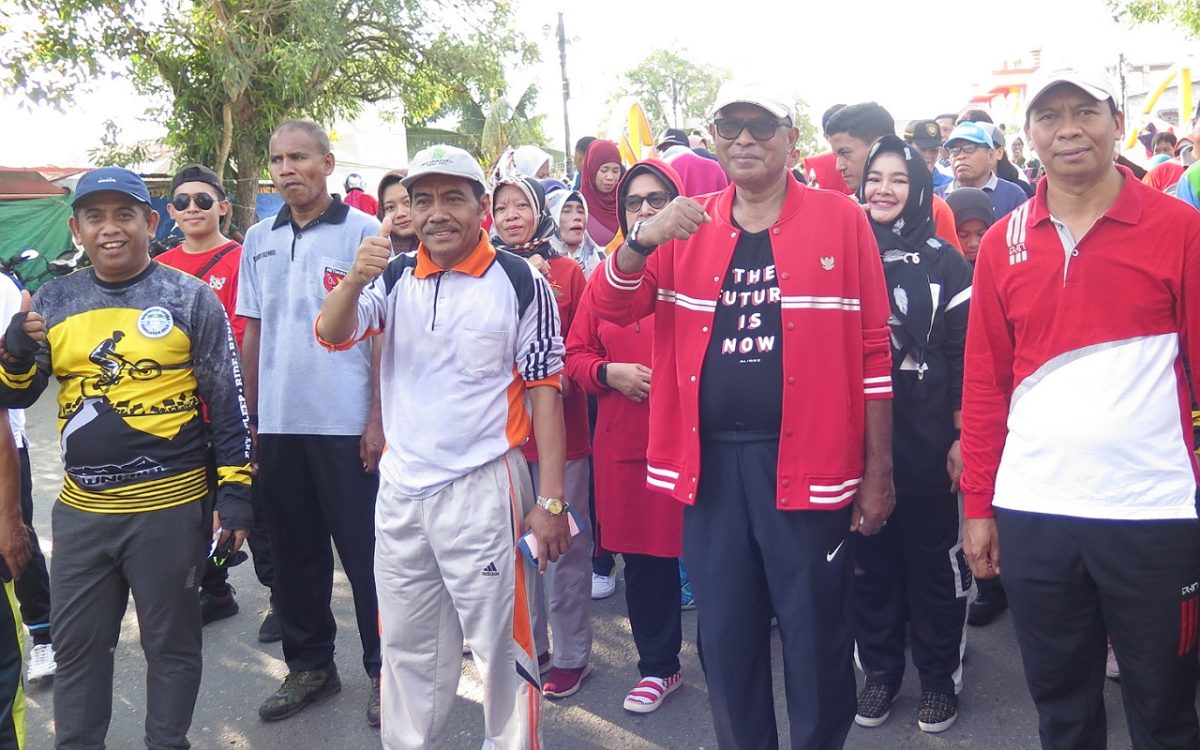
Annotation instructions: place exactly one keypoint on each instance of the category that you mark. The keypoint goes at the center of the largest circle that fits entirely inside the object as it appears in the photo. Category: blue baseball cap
(972, 132)
(111, 180)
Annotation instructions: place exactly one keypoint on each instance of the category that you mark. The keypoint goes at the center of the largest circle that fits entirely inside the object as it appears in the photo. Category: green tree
(230, 70)
(672, 88)
(811, 140)
(493, 125)
(1183, 13)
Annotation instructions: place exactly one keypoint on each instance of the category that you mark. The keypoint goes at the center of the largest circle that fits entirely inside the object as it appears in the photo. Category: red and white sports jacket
(1075, 401)
(836, 354)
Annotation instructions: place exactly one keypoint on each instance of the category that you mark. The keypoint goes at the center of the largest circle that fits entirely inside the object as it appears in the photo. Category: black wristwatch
(634, 245)
(602, 374)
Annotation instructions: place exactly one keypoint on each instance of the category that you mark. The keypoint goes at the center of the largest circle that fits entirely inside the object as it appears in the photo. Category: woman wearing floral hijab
(913, 571)
(522, 225)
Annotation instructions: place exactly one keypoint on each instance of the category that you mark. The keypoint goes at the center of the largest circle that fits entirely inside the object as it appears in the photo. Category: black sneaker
(373, 703)
(298, 690)
(937, 712)
(874, 704)
(270, 631)
(213, 608)
(992, 601)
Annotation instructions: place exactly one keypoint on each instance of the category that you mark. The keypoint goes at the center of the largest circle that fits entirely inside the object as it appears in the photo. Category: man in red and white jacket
(769, 416)
(1076, 430)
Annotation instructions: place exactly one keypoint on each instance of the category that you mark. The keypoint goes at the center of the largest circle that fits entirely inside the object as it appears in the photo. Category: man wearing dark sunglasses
(772, 420)
(198, 205)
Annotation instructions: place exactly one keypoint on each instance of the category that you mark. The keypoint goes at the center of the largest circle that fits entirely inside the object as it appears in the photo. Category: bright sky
(824, 52)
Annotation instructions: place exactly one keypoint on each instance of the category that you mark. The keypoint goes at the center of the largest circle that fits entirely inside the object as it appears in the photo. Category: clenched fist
(681, 219)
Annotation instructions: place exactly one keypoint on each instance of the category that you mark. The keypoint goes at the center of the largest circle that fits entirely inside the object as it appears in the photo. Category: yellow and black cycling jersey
(135, 361)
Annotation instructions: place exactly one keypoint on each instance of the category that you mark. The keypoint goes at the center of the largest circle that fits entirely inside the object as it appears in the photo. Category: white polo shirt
(460, 349)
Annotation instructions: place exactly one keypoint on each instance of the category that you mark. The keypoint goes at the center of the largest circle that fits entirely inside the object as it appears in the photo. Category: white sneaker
(603, 586)
(41, 663)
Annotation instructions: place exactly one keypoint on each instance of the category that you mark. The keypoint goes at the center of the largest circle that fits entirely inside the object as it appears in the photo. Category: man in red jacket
(770, 419)
(1076, 429)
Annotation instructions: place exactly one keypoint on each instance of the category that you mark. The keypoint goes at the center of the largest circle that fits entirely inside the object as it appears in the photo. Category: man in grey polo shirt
(314, 483)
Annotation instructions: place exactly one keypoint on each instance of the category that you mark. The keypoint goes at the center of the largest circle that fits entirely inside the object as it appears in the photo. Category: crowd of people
(813, 395)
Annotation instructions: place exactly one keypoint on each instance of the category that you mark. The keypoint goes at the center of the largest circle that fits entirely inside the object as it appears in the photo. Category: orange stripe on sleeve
(345, 345)
(554, 381)
(519, 423)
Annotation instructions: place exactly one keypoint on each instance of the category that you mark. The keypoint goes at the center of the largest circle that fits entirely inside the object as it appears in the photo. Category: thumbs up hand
(373, 256)
(26, 332)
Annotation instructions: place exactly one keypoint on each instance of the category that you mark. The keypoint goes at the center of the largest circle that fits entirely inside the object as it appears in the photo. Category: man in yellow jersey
(133, 514)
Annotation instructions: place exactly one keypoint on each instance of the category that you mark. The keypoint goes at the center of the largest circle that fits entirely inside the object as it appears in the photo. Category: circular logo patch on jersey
(155, 322)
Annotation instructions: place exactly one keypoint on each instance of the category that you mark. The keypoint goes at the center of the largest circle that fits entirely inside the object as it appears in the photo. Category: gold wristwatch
(552, 505)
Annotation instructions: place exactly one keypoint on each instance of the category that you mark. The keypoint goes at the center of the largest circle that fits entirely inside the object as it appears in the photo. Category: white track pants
(445, 567)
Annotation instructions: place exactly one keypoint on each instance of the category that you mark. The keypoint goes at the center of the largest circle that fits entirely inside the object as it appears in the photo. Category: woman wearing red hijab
(602, 171)
(613, 363)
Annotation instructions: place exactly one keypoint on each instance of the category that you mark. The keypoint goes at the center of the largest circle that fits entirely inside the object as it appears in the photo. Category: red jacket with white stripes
(836, 354)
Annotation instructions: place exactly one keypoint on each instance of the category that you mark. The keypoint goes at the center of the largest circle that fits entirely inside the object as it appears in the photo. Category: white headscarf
(588, 255)
(527, 160)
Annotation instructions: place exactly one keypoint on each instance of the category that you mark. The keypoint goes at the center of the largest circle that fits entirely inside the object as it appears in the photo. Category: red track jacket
(835, 341)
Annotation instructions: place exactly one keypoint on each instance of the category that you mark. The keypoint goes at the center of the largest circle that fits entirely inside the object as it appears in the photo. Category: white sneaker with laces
(603, 586)
(41, 663)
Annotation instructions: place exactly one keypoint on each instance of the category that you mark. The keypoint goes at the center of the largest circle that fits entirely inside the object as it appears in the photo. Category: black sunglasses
(761, 128)
(204, 201)
(657, 200)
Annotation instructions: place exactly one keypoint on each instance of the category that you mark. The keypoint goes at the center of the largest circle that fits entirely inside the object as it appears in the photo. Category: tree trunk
(223, 153)
(249, 160)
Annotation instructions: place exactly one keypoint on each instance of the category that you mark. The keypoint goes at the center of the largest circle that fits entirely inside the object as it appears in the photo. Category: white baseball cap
(1094, 82)
(447, 160)
(751, 92)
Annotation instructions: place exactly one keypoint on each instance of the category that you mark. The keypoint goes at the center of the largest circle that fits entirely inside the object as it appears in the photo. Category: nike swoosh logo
(830, 555)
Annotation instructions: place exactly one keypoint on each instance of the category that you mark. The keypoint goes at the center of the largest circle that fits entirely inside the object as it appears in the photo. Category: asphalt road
(995, 710)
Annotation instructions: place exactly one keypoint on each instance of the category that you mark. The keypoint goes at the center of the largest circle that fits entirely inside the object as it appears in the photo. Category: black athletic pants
(1069, 581)
(913, 571)
(748, 560)
(33, 587)
(314, 487)
(215, 580)
(652, 596)
(12, 685)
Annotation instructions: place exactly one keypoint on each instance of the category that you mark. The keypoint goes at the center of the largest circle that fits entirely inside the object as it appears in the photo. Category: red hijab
(601, 206)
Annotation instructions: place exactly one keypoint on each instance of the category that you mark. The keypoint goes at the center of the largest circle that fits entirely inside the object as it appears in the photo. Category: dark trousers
(913, 571)
(652, 596)
(1069, 580)
(99, 559)
(33, 587)
(314, 488)
(12, 693)
(216, 577)
(748, 560)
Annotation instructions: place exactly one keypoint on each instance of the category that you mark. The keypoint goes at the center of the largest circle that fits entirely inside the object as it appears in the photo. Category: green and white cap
(445, 160)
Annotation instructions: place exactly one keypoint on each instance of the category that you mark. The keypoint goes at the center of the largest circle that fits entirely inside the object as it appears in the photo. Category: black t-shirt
(741, 385)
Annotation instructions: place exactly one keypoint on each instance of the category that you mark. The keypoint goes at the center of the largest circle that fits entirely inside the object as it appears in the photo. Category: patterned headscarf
(539, 242)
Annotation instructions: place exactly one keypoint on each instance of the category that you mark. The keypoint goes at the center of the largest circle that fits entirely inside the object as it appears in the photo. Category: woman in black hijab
(913, 571)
